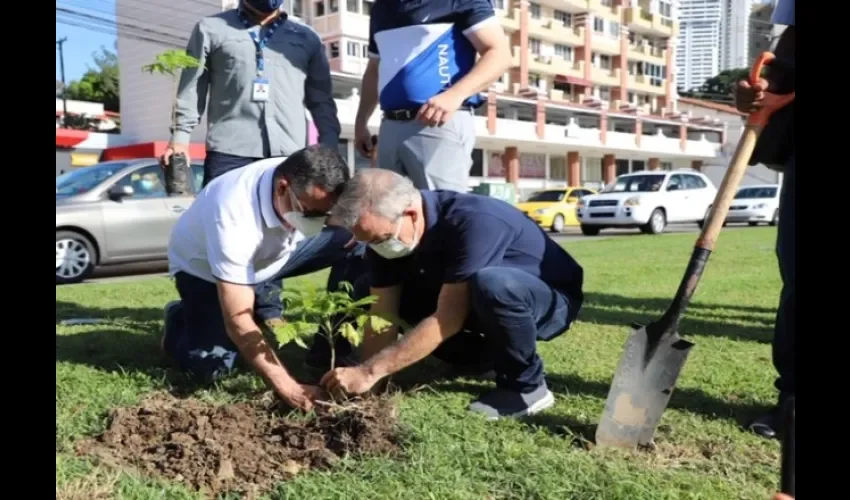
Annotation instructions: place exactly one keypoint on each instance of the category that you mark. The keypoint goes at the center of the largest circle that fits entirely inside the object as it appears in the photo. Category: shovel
(654, 354)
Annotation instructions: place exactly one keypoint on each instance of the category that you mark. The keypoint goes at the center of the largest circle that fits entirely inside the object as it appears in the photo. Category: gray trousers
(431, 157)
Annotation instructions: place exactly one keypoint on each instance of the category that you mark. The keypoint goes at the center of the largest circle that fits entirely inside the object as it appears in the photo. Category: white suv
(648, 200)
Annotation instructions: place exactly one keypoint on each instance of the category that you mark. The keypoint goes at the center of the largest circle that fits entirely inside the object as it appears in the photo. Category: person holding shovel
(478, 280)
(775, 148)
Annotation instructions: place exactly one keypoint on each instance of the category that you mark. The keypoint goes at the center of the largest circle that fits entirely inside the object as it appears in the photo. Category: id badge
(260, 91)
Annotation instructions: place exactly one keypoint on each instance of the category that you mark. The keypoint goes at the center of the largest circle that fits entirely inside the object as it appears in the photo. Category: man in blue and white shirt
(423, 72)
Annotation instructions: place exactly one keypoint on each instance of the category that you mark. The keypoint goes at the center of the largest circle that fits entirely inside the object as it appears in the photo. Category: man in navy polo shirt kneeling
(478, 279)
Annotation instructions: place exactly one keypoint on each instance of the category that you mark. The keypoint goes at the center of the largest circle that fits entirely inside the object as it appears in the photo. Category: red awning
(573, 80)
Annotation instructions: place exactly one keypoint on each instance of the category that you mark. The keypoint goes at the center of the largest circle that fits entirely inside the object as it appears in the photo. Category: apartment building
(761, 30)
(735, 34)
(590, 94)
(699, 43)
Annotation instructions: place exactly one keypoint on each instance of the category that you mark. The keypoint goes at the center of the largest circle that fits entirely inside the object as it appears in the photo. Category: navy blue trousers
(510, 311)
(196, 336)
(785, 331)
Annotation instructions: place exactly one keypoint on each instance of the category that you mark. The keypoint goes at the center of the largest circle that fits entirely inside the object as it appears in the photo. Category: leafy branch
(330, 314)
(169, 63)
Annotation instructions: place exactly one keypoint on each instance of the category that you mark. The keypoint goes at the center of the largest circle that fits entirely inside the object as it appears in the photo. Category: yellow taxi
(554, 209)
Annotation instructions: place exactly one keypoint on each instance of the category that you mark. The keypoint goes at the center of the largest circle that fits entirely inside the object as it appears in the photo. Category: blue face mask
(264, 6)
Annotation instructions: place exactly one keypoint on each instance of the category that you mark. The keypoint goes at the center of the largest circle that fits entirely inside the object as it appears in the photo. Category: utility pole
(59, 43)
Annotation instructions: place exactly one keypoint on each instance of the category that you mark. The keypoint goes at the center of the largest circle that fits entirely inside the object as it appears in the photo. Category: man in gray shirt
(260, 70)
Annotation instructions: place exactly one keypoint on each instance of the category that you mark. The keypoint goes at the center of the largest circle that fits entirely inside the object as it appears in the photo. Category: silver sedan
(114, 212)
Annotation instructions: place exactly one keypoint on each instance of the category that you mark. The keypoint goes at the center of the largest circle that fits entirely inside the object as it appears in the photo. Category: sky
(82, 42)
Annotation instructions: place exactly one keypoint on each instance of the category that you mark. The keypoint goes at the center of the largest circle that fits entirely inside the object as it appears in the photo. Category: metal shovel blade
(642, 385)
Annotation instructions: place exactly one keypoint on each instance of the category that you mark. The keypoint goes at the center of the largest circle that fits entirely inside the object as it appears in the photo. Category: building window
(564, 17)
(605, 93)
(334, 50)
(477, 169)
(334, 6)
(367, 7)
(366, 50)
(631, 66)
(638, 165)
(352, 49)
(613, 29)
(534, 10)
(666, 165)
(534, 45)
(296, 8)
(621, 166)
(598, 25)
(564, 87)
(534, 79)
(352, 6)
(557, 168)
(665, 9)
(565, 52)
(607, 3)
(654, 72)
(499, 4)
(631, 97)
(604, 61)
(319, 9)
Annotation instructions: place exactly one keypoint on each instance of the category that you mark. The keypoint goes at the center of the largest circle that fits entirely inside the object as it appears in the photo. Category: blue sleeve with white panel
(423, 47)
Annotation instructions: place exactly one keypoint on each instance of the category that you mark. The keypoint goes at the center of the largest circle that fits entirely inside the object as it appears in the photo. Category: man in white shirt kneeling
(248, 226)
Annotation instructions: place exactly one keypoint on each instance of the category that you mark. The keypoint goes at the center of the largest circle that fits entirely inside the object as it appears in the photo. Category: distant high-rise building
(699, 43)
(761, 30)
(735, 34)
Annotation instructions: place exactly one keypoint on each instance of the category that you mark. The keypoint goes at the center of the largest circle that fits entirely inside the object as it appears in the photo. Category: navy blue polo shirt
(423, 47)
(465, 233)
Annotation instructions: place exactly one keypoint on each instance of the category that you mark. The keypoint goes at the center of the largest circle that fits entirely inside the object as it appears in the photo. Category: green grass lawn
(702, 452)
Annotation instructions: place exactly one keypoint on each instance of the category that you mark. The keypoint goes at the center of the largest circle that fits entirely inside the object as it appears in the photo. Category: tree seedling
(330, 315)
(170, 63)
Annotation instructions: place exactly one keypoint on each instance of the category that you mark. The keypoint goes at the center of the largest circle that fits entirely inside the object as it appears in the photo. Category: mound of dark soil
(242, 447)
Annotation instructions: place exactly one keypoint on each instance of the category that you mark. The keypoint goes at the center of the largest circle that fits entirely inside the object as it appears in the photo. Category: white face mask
(393, 248)
(308, 226)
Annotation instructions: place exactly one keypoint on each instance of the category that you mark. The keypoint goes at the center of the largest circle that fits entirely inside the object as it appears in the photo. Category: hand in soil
(350, 380)
(303, 396)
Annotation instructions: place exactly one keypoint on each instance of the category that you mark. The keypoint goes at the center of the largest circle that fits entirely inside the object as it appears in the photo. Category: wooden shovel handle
(738, 166)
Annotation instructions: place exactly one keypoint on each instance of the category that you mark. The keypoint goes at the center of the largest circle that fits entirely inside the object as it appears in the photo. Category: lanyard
(260, 43)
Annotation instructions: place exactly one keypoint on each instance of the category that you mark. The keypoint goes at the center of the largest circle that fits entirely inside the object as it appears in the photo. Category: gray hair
(376, 191)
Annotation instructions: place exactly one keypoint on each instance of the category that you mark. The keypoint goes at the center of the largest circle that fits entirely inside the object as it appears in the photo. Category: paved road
(154, 269)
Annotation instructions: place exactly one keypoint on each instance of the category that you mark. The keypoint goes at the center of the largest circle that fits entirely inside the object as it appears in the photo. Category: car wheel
(558, 223)
(75, 257)
(753, 224)
(775, 219)
(589, 230)
(657, 222)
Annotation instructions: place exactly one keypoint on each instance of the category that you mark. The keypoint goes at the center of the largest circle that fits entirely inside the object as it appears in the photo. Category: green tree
(99, 83)
(723, 84)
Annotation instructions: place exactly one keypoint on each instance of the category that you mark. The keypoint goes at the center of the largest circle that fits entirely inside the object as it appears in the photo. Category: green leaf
(300, 342)
(345, 287)
(171, 61)
(361, 320)
(353, 335)
(379, 325)
(285, 334)
(365, 301)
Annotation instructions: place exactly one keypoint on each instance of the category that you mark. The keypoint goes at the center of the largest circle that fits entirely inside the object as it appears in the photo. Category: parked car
(554, 209)
(115, 212)
(755, 204)
(647, 200)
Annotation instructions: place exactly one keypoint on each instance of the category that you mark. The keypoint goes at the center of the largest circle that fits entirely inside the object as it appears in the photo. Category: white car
(755, 204)
(648, 200)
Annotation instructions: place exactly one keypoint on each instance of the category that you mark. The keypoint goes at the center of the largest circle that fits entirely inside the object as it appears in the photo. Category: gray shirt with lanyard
(260, 91)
